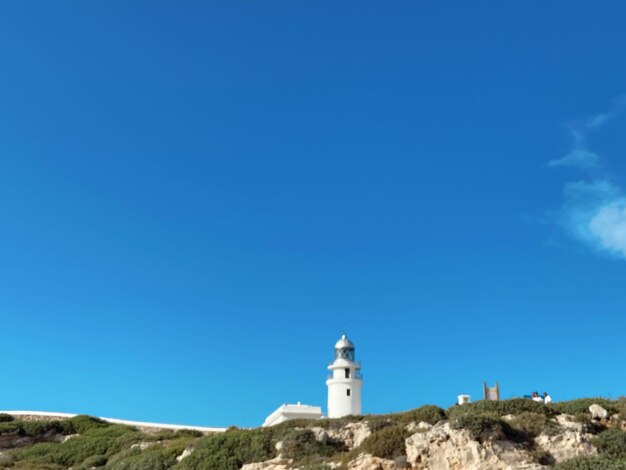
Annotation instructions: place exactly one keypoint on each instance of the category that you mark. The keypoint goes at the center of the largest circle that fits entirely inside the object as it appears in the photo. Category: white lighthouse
(345, 381)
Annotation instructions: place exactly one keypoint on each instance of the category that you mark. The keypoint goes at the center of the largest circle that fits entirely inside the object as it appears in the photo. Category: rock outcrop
(369, 462)
(445, 448)
(569, 441)
(13, 440)
(186, 453)
(351, 435)
(278, 463)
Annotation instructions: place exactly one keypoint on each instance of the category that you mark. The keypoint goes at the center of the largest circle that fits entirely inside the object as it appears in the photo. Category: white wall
(339, 403)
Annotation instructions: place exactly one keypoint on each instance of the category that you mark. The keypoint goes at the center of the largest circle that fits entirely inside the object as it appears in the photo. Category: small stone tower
(345, 381)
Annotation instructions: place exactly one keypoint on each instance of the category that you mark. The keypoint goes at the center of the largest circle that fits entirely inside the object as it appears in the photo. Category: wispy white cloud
(579, 157)
(594, 209)
(599, 120)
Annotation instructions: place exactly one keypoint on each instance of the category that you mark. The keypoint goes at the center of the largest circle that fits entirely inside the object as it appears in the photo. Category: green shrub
(37, 428)
(128, 439)
(93, 461)
(325, 423)
(430, 414)
(8, 427)
(31, 428)
(82, 423)
(187, 433)
(121, 455)
(230, 450)
(484, 428)
(581, 406)
(5, 418)
(499, 408)
(388, 443)
(154, 458)
(96, 441)
(169, 434)
(534, 424)
(592, 463)
(621, 407)
(611, 443)
(300, 444)
(377, 423)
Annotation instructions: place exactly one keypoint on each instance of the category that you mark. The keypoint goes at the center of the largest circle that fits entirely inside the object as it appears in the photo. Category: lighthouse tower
(345, 381)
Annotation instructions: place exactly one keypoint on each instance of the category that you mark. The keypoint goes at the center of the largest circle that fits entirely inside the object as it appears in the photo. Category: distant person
(536, 397)
(547, 398)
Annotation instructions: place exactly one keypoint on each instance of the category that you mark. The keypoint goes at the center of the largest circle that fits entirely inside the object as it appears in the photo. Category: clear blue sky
(195, 201)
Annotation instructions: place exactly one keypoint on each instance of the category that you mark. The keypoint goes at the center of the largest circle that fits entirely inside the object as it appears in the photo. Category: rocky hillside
(512, 434)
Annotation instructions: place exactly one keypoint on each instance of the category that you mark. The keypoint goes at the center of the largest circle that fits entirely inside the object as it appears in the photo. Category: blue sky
(196, 200)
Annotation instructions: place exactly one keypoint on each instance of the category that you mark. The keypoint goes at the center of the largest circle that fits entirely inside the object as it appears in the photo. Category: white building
(344, 384)
(298, 411)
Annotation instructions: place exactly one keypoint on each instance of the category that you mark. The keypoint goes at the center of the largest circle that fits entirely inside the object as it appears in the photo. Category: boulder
(6, 459)
(142, 445)
(352, 434)
(415, 427)
(186, 453)
(278, 463)
(569, 422)
(369, 462)
(597, 412)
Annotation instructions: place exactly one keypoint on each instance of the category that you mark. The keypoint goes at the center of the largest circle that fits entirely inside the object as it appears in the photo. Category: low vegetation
(388, 443)
(84, 443)
(498, 409)
(485, 428)
(592, 463)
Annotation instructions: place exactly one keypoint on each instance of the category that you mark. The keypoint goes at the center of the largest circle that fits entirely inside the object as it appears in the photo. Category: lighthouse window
(347, 373)
(348, 392)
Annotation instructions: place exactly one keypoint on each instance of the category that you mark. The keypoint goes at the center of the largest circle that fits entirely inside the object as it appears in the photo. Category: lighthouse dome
(344, 349)
(344, 343)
